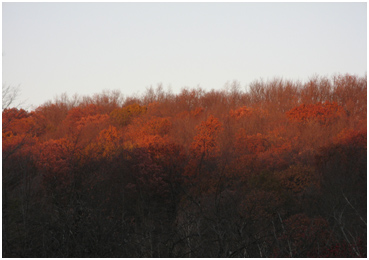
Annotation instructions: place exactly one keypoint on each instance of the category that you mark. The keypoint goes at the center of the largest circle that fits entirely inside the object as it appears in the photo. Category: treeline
(278, 170)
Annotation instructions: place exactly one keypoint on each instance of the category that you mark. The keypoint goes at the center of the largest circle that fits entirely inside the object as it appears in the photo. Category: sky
(53, 48)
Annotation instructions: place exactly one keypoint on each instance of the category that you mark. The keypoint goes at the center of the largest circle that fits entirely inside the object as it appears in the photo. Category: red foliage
(55, 161)
(323, 113)
(17, 121)
(197, 111)
(144, 132)
(54, 156)
(105, 145)
(150, 177)
(240, 112)
(205, 142)
(123, 116)
(251, 144)
(18, 130)
(77, 113)
(199, 149)
(14, 113)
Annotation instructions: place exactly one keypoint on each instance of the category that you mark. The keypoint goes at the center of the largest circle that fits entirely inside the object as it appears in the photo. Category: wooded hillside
(278, 170)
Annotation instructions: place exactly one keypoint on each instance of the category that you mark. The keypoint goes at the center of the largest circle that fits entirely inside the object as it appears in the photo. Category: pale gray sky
(53, 48)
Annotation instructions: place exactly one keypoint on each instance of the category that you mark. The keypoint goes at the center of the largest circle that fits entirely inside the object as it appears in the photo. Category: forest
(278, 169)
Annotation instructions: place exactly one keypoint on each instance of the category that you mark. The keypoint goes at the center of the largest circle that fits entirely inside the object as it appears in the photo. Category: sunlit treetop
(320, 112)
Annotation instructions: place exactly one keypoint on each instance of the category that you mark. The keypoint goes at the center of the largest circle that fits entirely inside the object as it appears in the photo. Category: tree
(324, 113)
(276, 171)
(342, 166)
(302, 236)
(18, 130)
(10, 95)
(123, 116)
(203, 159)
(205, 142)
(106, 144)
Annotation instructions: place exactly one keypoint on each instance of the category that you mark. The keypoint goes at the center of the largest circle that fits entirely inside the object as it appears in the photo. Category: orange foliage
(54, 156)
(157, 126)
(17, 121)
(349, 151)
(197, 111)
(323, 113)
(48, 119)
(77, 113)
(123, 116)
(251, 144)
(12, 143)
(13, 113)
(351, 136)
(106, 144)
(17, 131)
(247, 112)
(205, 142)
(145, 132)
(93, 121)
(143, 140)
(86, 129)
(145, 159)
(241, 112)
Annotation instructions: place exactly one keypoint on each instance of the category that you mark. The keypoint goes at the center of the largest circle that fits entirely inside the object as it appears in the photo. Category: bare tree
(10, 95)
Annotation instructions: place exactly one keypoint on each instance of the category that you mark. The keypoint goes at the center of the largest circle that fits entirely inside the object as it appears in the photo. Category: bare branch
(362, 219)
(10, 95)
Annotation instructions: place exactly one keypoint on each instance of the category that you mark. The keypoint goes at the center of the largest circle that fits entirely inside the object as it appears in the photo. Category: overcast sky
(54, 48)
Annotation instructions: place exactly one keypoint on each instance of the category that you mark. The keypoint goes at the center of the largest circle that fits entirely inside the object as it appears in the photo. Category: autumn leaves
(278, 170)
